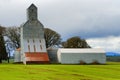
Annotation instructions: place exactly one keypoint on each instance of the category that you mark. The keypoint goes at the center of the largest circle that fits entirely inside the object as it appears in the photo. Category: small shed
(17, 56)
(77, 56)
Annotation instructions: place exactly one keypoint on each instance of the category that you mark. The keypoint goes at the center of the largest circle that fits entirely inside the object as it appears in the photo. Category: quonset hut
(81, 56)
(33, 46)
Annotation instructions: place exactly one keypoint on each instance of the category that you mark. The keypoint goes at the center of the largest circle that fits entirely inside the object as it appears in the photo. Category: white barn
(76, 56)
(33, 48)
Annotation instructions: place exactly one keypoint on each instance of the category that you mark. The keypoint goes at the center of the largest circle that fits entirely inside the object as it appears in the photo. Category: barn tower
(33, 48)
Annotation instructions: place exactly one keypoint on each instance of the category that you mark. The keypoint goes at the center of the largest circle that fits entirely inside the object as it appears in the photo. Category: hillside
(112, 54)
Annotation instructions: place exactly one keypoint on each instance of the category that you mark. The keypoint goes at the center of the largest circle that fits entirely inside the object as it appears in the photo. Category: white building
(17, 56)
(77, 56)
(33, 46)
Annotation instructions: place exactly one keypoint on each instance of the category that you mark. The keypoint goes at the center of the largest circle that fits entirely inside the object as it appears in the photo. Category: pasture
(110, 71)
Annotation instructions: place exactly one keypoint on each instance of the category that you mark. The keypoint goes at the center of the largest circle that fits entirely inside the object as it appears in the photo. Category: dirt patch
(32, 73)
(85, 79)
(78, 75)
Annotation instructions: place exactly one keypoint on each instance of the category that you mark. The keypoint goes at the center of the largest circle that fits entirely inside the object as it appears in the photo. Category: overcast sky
(98, 21)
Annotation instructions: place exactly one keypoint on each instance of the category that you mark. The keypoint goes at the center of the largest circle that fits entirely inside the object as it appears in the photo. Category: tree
(52, 38)
(13, 33)
(3, 53)
(9, 47)
(75, 42)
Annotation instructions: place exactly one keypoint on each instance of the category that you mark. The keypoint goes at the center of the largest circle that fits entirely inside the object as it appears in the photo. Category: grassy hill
(111, 71)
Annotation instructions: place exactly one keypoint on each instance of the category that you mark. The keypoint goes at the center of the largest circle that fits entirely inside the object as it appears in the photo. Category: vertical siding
(52, 53)
(32, 31)
(76, 58)
(59, 55)
(43, 45)
(26, 45)
(17, 56)
(34, 43)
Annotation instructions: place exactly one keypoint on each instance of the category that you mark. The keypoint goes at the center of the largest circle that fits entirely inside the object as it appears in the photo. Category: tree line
(10, 39)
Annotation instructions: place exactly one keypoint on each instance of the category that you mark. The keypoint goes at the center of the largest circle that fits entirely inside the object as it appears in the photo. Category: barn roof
(79, 50)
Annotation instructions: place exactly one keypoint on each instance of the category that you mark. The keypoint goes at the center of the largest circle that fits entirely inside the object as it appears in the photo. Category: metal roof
(81, 50)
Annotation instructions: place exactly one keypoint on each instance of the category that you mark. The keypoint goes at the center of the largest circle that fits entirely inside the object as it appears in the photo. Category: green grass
(111, 71)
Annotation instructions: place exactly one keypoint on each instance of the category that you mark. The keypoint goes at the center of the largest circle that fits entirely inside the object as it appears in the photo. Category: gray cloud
(85, 18)
(110, 43)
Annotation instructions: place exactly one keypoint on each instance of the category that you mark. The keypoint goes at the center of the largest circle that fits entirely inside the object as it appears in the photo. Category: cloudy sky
(97, 21)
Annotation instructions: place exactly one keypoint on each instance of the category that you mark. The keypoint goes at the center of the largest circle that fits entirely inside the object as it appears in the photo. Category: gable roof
(32, 5)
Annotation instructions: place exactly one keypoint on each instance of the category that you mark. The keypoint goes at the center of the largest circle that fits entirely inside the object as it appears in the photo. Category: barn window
(34, 48)
(29, 48)
(41, 47)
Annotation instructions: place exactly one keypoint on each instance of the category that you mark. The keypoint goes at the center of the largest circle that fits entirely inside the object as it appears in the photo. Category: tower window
(40, 41)
(33, 41)
(32, 19)
(32, 10)
(28, 40)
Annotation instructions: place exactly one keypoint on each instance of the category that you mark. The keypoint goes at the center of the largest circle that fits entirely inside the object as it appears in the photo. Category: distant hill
(112, 54)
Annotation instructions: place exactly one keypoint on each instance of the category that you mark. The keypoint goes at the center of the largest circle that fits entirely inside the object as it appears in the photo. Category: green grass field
(111, 71)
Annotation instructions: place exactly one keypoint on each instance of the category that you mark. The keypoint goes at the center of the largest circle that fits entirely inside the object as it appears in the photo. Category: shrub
(82, 62)
(95, 62)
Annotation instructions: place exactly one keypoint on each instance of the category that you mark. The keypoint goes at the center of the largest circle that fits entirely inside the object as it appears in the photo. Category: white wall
(17, 56)
(75, 57)
(37, 43)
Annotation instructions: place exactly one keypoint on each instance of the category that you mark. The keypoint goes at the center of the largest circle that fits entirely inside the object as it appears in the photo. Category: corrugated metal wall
(77, 58)
(52, 53)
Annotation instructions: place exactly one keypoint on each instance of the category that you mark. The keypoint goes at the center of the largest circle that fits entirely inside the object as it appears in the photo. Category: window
(41, 47)
(32, 18)
(34, 48)
(28, 40)
(40, 41)
(33, 41)
(29, 48)
(32, 10)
